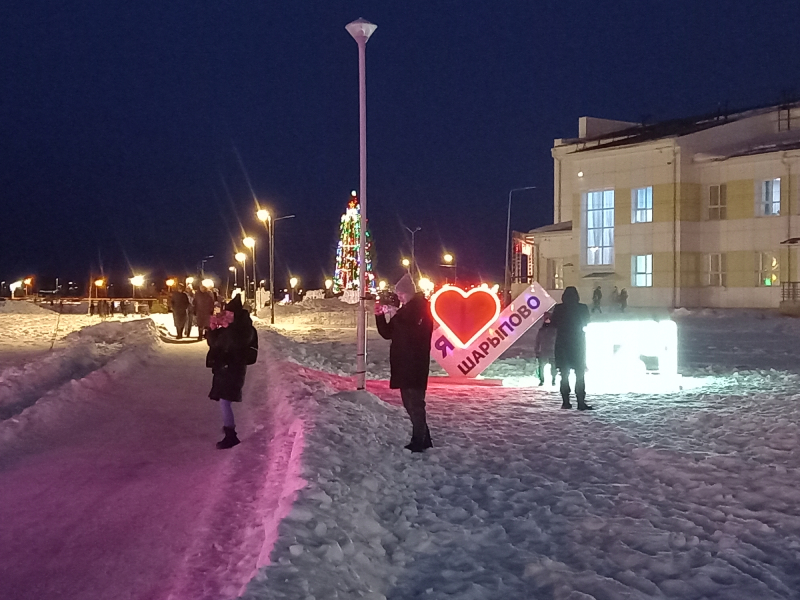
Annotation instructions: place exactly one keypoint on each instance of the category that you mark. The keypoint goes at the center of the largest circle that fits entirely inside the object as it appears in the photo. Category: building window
(642, 270)
(715, 270)
(600, 227)
(769, 199)
(555, 273)
(717, 202)
(768, 270)
(642, 205)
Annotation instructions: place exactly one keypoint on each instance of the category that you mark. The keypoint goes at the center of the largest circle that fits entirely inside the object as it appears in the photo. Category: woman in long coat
(233, 344)
(410, 329)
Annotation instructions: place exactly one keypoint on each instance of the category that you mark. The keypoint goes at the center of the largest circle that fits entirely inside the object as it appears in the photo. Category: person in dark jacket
(233, 344)
(545, 349)
(597, 298)
(569, 319)
(179, 304)
(623, 300)
(409, 328)
(203, 309)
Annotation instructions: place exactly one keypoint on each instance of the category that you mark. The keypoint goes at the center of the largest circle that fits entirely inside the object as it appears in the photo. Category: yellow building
(693, 212)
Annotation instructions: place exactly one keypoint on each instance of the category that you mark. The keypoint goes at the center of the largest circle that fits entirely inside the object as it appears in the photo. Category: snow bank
(21, 307)
(39, 389)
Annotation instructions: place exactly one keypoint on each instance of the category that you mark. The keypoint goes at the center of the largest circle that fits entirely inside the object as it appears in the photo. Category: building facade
(693, 212)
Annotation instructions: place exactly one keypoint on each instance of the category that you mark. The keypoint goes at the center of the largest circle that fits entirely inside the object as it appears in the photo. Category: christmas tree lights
(345, 277)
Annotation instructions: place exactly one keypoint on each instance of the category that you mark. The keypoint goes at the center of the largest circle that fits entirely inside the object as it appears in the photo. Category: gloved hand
(379, 308)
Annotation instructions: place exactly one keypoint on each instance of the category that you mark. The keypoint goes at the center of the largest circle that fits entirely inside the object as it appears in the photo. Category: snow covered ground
(687, 495)
(112, 488)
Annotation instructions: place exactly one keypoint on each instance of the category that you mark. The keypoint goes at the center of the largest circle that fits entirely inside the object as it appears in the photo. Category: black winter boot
(583, 406)
(230, 439)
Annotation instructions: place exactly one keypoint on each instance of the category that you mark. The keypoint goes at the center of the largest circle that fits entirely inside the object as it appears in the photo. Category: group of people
(618, 299)
(233, 345)
(192, 307)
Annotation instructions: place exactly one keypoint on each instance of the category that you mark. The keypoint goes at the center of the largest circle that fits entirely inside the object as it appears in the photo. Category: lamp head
(262, 214)
(361, 30)
(249, 242)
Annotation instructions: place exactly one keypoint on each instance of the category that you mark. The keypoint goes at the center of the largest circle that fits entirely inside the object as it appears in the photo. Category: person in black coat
(409, 328)
(203, 309)
(179, 304)
(233, 344)
(569, 319)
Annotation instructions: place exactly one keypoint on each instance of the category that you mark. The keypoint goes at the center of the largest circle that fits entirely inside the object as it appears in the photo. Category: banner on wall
(473, 332)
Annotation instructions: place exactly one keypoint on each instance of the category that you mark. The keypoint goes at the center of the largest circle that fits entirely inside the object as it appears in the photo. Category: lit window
(642, 205)
(555, 273)
(768, 269)
(715, 270)
(769, 201)
(642, 270)
(717, 202)
(600, 227)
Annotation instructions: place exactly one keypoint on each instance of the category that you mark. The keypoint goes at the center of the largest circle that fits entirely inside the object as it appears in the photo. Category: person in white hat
(409, 328)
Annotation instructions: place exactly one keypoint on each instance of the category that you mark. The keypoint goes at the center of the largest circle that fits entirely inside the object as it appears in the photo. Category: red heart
(464, 315)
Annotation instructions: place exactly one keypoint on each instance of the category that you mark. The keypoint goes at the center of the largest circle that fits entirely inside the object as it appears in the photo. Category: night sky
(128, 131)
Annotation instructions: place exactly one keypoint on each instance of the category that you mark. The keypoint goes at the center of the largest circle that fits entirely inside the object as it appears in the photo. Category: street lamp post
(407, 264)
(136, 281)
(361, 30)
(265, 217)
(293, 284)
(450, 261)
(242, 258)
(414, 265)
(507, 286)
(251, 243)
(203, 262)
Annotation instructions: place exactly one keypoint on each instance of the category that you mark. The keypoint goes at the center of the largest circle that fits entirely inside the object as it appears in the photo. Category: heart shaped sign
(464, 316)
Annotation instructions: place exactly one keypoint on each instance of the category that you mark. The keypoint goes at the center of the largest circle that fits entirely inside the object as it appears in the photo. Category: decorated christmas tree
(346, 275)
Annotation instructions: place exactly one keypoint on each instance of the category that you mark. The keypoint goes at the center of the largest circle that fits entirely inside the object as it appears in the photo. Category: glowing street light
(207, 283)
(242, 258)
(27, 281)
(293, 284)
(406, 263)
(328, 284)
(426, 285)
(136, 281)
(251, 243)
(450, 261)
(189, 280)
(170, 282)
(99, 282)
(381, 285)
(265, 217)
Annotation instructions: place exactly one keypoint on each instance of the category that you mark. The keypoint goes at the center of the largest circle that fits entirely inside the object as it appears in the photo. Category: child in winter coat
(545, 349)
(233, 344)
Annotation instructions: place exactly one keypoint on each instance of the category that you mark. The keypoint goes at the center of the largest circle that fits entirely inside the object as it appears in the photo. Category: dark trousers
(541, 361)
(414, 403)
(179, 317)
(189, 320)
(580, 384)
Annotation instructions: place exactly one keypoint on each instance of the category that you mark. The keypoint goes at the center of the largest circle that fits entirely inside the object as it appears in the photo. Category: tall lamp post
(361, 30)
(507, 285)
(242, 258)
(413, 252)
(450, 261)
(265, 217)
(293, 284)
(251, 243)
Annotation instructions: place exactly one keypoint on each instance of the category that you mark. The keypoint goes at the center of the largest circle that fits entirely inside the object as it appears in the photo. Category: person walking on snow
(614, 297)
(203, 309)
(545, 349)
(179, 304)
(569, 319)
(597, 296)
(233, 344)
(409, 328)
(623, 300)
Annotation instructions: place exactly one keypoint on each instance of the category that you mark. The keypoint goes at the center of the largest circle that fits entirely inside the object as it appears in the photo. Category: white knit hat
(405, 285)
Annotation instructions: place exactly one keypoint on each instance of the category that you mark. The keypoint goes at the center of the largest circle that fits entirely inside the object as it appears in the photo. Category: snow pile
(40, 388)
(22, 307)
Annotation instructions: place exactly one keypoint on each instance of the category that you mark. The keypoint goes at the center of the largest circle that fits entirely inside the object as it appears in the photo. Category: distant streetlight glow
(293, 281)
(426, 285)
(207, 283)
(262, 214)
(27, 280)
(99, 282)
(405, 262)
(170, 282)
(241, 257)
(328, 284)
(249, 242)
(381, 285)
(189, 280)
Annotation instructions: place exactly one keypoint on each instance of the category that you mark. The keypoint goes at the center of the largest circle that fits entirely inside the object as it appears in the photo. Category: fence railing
(790, 290)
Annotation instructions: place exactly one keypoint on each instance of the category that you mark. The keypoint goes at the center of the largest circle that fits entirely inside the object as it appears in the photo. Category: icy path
(106, 500)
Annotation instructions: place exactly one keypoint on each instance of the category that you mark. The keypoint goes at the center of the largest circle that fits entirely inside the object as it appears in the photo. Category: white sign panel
(513, 321)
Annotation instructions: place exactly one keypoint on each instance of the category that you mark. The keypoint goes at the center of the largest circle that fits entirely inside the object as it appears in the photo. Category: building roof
(563, 226)
(668, 129)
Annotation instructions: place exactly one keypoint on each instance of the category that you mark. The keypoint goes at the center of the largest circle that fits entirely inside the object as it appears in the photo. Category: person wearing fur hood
(233, 344)
(409, 328)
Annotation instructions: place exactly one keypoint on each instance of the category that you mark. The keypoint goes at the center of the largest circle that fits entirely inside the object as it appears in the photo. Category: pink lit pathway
(113, 501)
